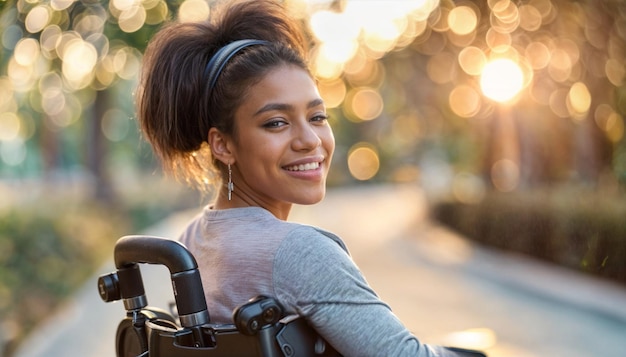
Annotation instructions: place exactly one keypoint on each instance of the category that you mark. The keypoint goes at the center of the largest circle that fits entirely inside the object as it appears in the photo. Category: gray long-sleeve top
(246, 252)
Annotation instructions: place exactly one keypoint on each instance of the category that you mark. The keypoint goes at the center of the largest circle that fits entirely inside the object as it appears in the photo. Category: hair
(175, 107)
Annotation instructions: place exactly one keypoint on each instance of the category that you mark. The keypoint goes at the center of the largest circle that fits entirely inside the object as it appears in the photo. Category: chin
(311, 199)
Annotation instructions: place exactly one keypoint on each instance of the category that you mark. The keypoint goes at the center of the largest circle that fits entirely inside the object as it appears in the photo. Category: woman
(236, 97)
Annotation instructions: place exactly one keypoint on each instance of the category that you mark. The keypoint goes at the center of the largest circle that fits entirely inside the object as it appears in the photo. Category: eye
(319, 118)
(275, 123)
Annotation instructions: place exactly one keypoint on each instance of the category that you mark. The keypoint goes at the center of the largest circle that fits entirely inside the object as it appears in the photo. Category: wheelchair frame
(259, 328)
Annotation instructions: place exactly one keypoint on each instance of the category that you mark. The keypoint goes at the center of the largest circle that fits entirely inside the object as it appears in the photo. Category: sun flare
(501, 80)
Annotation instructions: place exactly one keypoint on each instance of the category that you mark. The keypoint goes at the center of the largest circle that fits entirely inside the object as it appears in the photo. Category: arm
(314, 276)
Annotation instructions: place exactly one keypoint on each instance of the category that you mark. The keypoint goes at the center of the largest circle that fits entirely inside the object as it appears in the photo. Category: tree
(65, 61)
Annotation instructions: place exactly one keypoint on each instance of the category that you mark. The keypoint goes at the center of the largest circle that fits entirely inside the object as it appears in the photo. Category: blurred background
(509, 115)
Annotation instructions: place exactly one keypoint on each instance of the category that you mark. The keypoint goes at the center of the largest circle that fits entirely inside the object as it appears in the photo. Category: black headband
(221, 57)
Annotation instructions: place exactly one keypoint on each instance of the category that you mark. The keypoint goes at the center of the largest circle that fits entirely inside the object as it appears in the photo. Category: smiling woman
(236, 97)
(284, 115)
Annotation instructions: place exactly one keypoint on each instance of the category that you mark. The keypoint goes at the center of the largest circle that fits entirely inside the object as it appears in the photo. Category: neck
(237, 200)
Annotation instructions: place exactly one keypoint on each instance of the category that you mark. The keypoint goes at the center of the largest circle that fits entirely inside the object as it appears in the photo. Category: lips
(303, 167)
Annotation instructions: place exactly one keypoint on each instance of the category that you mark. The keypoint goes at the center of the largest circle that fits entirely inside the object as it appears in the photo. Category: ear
(220, 145)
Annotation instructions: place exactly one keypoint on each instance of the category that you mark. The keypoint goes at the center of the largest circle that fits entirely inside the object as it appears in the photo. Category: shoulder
(308, 253)
(312, 267)
(311, 236)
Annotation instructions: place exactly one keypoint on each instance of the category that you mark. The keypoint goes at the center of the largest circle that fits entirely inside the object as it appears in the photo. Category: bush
(50, 246)
(45, 253)
(581, 230)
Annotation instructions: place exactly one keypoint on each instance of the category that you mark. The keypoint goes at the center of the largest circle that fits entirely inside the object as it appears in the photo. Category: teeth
(304, 167)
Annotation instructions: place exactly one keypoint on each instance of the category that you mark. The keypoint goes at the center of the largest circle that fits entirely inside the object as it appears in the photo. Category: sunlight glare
(338, 51)
(326, 68)
(474, 338)
(331, 26)
(501, 80)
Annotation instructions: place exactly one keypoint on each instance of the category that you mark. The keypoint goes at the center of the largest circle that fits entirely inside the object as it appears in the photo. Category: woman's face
(284, 144)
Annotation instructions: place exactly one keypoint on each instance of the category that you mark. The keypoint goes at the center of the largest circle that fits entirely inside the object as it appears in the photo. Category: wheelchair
(259, 329)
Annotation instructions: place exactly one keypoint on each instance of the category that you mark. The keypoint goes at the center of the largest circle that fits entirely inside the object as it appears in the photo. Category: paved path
(446, 289)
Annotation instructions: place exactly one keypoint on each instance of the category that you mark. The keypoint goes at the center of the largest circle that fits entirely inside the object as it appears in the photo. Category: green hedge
(46, 251)
(49, 248)
(582, 230)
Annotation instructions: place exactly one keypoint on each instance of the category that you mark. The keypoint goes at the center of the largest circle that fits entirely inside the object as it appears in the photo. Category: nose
(306, 138)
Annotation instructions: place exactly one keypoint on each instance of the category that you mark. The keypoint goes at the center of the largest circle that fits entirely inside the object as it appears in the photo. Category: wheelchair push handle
(127, 284)
(153, 250)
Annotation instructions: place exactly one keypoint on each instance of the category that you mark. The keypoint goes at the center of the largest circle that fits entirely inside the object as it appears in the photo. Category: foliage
(578, 229)
(48, 248)
(44, 254)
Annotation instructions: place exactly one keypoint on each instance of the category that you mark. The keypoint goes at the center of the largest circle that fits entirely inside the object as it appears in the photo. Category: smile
(303, 167)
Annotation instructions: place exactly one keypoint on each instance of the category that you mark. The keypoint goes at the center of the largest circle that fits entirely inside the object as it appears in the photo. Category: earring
(230, 185)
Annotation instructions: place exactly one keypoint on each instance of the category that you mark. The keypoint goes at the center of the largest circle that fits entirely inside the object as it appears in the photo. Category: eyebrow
(287, 107)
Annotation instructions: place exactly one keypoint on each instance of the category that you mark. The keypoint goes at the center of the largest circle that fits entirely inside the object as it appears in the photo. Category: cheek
(259, 154)
(328, 140)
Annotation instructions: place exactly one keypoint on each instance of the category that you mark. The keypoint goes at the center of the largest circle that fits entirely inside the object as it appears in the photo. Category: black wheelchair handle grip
(186, 282)
(153, 250)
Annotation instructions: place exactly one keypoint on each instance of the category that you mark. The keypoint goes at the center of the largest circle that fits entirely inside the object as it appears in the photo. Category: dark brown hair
(176, 109)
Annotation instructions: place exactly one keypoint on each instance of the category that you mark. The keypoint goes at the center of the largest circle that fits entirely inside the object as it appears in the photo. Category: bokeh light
(477, 338)
(468, 188)
(9, 126)
(465, 101)
(378, 62)
(579, 100)
(462, 20)
(333, 92)
(501, 80)
(363, 161)
(37, 19)
(13, 152)
(193, 11)
(366, 103)
(462, 97)
(115, 125)
(505, 175)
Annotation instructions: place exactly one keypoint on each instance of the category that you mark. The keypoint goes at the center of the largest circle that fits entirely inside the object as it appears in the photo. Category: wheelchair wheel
(131, 341)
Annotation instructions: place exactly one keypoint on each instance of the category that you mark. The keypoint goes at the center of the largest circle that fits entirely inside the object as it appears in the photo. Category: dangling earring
(230, 185)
